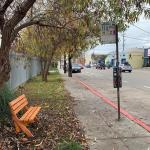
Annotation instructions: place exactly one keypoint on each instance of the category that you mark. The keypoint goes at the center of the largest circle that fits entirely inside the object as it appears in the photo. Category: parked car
(126, 67)
(76, 68)
(100, 66)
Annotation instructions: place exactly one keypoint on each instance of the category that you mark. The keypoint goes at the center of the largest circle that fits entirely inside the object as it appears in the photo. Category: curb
(108, 101)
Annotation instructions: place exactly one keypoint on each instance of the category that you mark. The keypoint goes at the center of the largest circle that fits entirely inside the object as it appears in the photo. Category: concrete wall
(22, 69)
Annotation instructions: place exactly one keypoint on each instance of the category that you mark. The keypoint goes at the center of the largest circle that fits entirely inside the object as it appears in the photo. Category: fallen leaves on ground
(57, 123)
(55, 126)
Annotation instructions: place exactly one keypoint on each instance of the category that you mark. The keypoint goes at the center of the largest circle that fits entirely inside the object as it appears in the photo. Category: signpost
(109, 35)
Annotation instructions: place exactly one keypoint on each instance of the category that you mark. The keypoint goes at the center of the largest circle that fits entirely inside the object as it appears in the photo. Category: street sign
(148, 53)
(108, 33)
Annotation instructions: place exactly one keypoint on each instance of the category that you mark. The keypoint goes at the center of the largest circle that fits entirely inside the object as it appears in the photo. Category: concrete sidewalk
(99, 120)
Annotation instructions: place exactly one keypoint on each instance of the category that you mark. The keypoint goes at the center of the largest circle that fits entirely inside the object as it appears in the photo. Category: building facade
(147, 57)
(134, 56)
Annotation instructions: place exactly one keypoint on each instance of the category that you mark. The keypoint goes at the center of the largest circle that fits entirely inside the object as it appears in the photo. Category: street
(135, 92)
(99, 119)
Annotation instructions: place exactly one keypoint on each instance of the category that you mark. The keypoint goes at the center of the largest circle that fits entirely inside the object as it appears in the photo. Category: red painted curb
(107, 100)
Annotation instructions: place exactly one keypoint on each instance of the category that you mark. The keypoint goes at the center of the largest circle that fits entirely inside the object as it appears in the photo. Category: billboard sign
(108, 33)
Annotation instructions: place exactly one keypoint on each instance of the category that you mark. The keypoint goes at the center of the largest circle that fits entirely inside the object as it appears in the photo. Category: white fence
(22, 69)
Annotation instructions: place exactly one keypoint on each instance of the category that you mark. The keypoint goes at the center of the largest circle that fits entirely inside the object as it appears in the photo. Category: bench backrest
(18, 104)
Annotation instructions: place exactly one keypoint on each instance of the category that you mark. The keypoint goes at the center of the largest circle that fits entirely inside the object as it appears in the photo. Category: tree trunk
(69, 66)
(65, 67)
(60, 63)
(42, 67)
(4, 66)
(45, 70)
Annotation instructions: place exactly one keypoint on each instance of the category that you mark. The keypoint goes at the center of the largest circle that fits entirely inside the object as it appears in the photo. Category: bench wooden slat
(35, 113)
(26, 114)
(15, 106)
(20, 107)
(32, 114)
(17, 100)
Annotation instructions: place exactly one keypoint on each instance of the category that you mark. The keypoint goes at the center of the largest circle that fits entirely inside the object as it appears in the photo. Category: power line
(141, 29)
(136, 38)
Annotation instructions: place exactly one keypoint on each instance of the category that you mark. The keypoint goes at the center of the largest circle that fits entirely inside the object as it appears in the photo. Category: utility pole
(118, 72)
(123, 41)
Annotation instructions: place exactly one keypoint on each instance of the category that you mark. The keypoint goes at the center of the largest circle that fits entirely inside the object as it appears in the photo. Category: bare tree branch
(5, 6)
(20, 13)
(30, 23)
(9, 26)
(2, 12)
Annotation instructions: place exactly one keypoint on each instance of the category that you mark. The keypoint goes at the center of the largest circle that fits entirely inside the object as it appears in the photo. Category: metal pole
(123, 41)
(117, 65)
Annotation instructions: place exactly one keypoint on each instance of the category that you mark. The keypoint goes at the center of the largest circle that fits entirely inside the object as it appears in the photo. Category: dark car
(76, 68)
(100, 66)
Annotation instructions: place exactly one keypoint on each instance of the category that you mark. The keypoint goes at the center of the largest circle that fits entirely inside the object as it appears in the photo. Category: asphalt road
(135, 93)
(137, 79)
(99, 119)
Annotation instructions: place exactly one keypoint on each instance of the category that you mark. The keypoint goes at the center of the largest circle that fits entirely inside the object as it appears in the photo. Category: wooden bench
(29, 114)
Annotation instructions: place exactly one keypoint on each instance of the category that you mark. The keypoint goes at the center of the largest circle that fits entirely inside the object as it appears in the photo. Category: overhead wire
(141, 29)
(136, 38)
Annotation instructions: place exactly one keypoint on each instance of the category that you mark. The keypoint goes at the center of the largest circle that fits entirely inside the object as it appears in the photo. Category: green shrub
(69, 146)
(6, 95)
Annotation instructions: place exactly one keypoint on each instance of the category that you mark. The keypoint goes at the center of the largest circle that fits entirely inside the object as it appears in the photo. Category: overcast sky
(133, 32)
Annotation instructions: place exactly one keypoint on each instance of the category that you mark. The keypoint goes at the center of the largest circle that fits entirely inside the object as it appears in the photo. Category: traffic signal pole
(117, 65)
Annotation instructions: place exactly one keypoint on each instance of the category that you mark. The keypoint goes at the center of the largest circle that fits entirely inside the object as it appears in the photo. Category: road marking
(125, 81)
(148, 87)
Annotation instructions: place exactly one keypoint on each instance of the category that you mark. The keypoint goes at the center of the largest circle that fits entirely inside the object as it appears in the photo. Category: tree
(9, 28)
(41, 42)
(14, 16)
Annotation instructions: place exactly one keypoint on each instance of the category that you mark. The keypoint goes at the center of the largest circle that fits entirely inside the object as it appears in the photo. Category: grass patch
(53, 89)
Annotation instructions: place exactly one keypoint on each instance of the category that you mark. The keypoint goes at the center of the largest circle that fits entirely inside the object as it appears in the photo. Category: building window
(123, 61)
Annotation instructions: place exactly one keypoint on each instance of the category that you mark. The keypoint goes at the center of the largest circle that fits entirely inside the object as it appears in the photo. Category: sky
(142, 38)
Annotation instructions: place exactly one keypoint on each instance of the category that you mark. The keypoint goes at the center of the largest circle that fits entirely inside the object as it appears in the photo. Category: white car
(126, 67)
